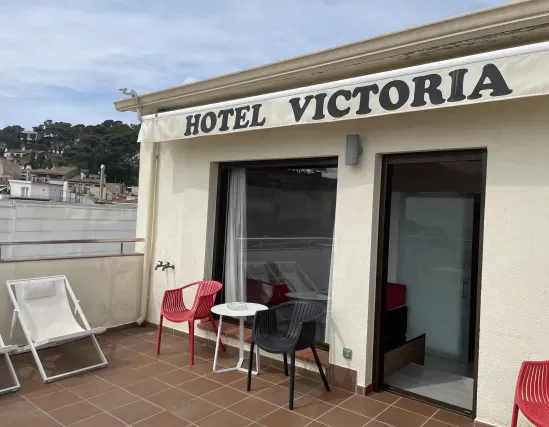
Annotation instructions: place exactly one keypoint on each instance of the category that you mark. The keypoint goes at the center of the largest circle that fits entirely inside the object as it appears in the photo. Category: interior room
(278, 233)
(430, 294)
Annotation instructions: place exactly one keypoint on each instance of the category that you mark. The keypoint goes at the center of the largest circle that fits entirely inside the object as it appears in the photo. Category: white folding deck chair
(5, 350)
(43, 309)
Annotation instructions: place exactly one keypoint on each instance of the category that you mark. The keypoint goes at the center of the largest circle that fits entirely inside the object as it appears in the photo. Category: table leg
(217, 339)
(238, 366)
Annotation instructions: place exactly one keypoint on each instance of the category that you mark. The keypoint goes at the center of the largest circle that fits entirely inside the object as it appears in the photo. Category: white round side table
(240, 310)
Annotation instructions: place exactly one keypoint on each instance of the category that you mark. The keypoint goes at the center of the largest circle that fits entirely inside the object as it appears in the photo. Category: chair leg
(191, 339)
(292, 377)
(514, 419)
(317, 360)
(285, 364)
(250, 364)
(159, 335)
(214, 327)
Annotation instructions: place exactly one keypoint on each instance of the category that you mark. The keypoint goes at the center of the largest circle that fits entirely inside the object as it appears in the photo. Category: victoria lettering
(424, 90)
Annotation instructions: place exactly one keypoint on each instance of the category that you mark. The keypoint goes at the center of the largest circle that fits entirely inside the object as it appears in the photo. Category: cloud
(65, 59)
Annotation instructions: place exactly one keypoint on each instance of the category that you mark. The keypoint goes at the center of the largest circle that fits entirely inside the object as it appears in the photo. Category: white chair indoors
(5, 350)
(43, 309)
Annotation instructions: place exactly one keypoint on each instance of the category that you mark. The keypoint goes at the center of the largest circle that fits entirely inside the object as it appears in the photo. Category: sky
(65, 60)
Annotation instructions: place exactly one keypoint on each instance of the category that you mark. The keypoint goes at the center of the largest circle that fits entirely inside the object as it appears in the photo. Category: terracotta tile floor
(140, 389)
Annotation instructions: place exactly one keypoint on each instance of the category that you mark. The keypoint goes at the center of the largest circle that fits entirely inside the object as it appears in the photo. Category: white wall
(16, 188)
(516, 236)
(33, 220)
(37, 190)
(108, 288)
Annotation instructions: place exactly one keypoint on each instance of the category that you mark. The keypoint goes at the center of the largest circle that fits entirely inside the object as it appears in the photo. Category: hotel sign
(398, 91)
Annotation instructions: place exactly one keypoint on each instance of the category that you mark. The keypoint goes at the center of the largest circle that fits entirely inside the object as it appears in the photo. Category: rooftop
(85, 180)
(57, 171)
(140, 389)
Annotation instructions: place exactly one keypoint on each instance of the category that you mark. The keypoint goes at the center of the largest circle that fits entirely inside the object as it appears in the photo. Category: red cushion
(396, 295)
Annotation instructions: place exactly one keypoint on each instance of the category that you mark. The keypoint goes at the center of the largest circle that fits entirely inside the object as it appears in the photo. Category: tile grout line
(278, 406)
(102, 410)
(303, 394)
(431, 417)
(428, 418)
(107, 412)
(176, 367)
(39, 408)
(122, 388)
(390, 405)
(170, 386)
(64, 388)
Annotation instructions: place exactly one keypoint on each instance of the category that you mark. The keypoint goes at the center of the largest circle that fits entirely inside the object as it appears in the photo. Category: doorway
(428, 276)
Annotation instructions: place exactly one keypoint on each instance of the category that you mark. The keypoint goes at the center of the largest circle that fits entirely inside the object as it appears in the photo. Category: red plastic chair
(255, 293)
(173, 308)
(532, 393)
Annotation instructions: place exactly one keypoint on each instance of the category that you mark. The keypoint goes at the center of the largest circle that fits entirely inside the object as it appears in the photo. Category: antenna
(133, 94)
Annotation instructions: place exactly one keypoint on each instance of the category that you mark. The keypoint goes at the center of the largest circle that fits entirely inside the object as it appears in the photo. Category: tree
(32, 161)
(112, 143)
(40, 160)
(10, 135)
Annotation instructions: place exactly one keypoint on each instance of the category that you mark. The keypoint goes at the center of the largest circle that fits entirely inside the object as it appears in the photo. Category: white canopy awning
(505, 74)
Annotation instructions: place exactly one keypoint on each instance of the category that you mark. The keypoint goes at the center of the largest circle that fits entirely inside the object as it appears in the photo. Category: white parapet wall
(22, 220)
(108, 287)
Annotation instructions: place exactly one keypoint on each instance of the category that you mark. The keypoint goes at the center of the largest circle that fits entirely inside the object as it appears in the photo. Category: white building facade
(52, 190)
(421, 232)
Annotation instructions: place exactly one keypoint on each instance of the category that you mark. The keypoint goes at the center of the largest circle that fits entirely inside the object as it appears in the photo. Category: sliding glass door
(279, 223)
(428, 282)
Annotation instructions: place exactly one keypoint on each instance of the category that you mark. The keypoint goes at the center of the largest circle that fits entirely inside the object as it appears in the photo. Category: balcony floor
(140, 389)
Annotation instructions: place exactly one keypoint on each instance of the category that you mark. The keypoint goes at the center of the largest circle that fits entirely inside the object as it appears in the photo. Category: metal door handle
(463, 289)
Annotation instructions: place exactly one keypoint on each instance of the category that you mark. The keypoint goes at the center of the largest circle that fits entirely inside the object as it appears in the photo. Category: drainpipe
(148, 245)
(149, 232)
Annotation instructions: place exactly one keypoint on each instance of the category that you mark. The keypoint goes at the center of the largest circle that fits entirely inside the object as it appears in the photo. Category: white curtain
(327, 330)
(235, 245)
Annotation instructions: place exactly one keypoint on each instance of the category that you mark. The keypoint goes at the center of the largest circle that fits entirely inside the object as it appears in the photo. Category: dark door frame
(383, 253)
(222, 200)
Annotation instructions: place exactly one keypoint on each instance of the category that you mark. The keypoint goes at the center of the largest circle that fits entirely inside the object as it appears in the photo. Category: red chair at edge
(173, 308)
(532, 393)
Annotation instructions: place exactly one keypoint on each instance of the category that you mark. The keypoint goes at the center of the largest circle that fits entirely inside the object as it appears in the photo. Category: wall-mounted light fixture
(353, 149)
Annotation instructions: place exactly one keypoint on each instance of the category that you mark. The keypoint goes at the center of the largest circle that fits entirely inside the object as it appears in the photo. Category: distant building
(22, 155)
(52, 190)
(8, 170)
(115, 188)
(30, 137)
(14, 154)
(111, 192)
(82, 185)
(63, 173)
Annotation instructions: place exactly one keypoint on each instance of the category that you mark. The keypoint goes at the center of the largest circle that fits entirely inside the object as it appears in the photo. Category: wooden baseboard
(338, 376)
(122, 327)
(364, 390)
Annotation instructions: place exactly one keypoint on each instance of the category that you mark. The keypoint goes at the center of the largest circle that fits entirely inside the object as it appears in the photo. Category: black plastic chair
(285, 329)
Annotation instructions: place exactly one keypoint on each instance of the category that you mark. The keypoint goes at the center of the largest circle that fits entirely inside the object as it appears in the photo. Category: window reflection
(279, 235)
